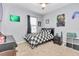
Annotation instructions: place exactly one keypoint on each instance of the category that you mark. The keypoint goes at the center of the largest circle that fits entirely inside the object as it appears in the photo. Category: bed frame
(52, 32)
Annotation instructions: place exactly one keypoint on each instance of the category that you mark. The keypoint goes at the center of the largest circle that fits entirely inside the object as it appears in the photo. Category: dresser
(72, 41)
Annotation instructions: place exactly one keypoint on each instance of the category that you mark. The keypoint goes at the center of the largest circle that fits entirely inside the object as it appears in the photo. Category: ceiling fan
(43, 5)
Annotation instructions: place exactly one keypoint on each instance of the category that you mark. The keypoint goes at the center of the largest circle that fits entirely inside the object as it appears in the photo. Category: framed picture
(47, 21)
(61, 20)
(39, 23)
(14, 18)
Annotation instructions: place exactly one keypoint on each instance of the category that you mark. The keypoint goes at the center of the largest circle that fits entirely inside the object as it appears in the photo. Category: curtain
(29, 25)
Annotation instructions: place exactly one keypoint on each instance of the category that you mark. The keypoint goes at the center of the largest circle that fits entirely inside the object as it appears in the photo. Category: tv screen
(14, 18)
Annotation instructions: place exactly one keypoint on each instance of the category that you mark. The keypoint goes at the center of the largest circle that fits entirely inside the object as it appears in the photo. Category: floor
(47, 49)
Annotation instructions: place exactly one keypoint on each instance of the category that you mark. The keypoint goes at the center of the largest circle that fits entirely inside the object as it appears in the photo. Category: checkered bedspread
(35, 39)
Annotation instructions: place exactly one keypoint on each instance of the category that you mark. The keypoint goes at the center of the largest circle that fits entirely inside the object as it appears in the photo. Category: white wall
(17, 29)
(1, 13)
(71, 25)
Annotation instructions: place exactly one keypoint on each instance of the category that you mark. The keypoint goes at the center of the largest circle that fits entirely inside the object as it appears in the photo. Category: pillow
(2, 39)
(48, 31)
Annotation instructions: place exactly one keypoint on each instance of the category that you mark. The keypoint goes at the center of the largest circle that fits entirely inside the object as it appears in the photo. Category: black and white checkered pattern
(41, 37)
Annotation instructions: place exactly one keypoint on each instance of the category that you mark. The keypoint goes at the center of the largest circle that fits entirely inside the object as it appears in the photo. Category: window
(33, 22)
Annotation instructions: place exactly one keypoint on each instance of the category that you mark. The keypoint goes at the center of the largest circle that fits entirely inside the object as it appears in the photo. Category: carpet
(47, 49)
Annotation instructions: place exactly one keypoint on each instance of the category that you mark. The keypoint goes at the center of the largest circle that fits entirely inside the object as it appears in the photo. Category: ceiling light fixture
(43, 5)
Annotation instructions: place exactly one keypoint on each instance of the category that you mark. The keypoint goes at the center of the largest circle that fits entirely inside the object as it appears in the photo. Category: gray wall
(1, 14)
(71, 25)
(17, 29)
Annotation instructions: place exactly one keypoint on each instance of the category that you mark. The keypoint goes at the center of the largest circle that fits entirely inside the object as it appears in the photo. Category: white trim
(64, 44)
(20, 42)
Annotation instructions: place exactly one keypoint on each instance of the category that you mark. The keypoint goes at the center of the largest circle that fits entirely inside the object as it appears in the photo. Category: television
(14, 18)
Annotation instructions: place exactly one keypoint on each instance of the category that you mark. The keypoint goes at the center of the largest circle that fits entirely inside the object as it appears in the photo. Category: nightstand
(57, 40)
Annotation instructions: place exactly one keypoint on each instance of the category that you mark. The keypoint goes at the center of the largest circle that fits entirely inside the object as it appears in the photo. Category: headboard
(52, 30)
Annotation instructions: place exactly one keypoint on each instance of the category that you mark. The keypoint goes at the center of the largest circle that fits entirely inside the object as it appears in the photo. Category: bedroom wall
(71, 25)
(17, 29)
(1, 14)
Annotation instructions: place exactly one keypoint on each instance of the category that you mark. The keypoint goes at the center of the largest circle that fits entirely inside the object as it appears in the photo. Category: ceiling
(36, 7)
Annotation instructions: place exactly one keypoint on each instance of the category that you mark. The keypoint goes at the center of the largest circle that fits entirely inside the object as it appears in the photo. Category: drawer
(76, 42)
(69, 45)
(69, 40)
(76, 47)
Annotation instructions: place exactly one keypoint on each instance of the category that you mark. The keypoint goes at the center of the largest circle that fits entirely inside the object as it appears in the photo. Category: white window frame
(34, 25)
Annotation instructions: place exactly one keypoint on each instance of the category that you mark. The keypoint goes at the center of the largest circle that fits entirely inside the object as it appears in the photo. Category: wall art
(14, 18)
(39, 23)
(47, 21)
(61, 20)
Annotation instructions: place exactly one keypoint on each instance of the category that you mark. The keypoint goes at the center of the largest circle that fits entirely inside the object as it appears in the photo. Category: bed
(35, 39)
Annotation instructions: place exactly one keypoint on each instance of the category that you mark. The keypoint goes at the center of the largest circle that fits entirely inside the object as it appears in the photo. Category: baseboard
(20, 42)
(64, 44)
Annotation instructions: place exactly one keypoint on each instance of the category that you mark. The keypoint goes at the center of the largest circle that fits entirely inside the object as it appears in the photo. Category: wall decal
(61, 20)
(74, 14)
